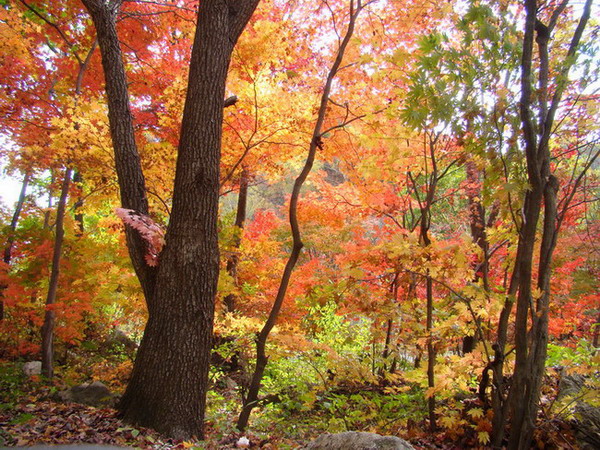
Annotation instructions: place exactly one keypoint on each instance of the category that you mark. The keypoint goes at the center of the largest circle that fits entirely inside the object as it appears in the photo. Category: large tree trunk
(167, 390)
(168, 386)
(49, 316)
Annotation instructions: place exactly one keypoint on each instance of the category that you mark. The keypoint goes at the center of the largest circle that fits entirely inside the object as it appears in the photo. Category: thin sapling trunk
(251, 400)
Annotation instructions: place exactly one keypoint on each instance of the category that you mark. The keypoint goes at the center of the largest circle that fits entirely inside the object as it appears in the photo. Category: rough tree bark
(531, 321)
(167, 390)
(251, 399)
(49, 315)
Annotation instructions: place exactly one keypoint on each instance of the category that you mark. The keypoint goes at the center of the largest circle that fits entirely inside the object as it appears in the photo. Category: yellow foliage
(483, 437)
(476, 413)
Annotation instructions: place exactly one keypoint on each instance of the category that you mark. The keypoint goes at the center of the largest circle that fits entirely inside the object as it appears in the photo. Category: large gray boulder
(119, 339)
(32, 368)
(586, 416)
(358, 440)
(93, 394)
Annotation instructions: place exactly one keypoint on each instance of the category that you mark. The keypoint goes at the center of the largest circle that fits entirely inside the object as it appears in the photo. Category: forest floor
(32, 419)
(29, 415)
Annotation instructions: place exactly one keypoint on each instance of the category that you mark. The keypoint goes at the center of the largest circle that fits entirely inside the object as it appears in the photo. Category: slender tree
(251, 399)
(436, 167)
(7, 257)
(50, 315)
(531, 323)
(240, 218)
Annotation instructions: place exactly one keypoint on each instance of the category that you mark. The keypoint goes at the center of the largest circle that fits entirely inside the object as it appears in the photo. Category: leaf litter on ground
(51, 423)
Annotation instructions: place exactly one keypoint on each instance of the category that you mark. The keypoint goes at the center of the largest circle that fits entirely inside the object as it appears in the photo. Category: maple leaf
(483, 437)
(149, 230)
(476, 413)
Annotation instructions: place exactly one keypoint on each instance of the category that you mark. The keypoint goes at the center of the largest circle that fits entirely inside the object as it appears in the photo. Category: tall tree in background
(167, 390)
(316, 142)
(49, 315)
(11, 239)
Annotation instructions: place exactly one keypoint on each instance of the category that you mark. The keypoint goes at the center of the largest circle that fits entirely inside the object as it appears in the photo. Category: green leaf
(22, 419)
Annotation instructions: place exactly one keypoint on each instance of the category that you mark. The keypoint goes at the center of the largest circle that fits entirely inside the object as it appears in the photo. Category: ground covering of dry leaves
(49, 422)
(30, 416)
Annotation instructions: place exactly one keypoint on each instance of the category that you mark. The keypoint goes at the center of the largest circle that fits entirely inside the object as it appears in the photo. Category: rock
(118, 340)
(586, 416)
(93, 394)
(334, 176)
(570, 385)
(357, 440)
(32, 368)
(243, 442)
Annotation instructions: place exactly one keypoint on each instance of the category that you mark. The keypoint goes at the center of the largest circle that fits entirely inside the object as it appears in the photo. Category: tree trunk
(127, 159)
(479, 237)
(386, 346)
(167, 390)
(251, 400)
(531, 341)
(425, 241)
(240, 218)
(49, 316)
(430, 355)
(50, 200)
(11, 237)
(78, 178)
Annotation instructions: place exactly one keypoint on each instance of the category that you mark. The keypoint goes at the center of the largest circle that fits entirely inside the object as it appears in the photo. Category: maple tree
(316, 143)
(426, 212)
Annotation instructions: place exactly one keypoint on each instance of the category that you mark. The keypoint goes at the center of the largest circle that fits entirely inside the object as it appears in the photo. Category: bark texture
(537, 113)
(167, 390)
(49, 316)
